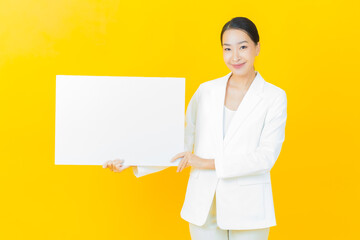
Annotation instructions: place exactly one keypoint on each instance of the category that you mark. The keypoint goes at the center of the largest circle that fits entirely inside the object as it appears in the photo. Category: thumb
(105, 164)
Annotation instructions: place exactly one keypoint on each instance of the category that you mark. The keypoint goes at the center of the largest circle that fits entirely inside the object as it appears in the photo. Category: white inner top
(228, 115)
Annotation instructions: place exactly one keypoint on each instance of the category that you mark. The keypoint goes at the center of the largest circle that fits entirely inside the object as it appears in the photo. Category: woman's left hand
(189, 159)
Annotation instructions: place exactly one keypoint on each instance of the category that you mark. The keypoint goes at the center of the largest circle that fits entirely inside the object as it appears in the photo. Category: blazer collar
(249, 102)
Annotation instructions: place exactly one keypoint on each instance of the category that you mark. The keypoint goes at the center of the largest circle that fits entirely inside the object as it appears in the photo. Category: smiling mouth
(238, 65)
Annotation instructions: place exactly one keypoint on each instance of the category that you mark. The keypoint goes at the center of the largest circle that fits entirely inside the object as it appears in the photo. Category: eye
(226, 49)
(243, 47)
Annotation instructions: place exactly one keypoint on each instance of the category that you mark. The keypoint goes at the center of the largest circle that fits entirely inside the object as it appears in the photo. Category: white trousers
(210, 230)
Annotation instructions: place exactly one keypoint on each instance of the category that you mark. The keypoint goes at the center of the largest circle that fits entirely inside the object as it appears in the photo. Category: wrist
(208, 163)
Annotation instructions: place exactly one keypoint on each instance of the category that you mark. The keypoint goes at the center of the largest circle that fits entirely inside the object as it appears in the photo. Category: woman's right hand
(116, 165)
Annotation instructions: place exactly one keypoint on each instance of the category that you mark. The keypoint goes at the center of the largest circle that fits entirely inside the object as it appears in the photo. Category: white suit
(243, 159)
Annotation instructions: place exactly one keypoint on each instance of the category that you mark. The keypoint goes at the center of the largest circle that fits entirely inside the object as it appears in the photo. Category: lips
(238, 65)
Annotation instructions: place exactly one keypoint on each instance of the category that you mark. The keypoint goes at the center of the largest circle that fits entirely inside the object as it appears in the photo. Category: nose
(236, 56)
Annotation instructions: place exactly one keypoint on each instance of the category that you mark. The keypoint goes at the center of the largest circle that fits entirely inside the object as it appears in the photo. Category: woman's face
(239, 51)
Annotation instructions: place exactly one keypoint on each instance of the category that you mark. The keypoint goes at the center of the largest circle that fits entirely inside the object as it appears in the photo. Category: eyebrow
(237, 43)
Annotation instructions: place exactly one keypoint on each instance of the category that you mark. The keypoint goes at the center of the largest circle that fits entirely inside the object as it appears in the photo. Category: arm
(190, 119)
(232, 164)
(190, 122)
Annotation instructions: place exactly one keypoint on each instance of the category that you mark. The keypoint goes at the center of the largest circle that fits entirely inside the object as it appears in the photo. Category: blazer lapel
(248, 103)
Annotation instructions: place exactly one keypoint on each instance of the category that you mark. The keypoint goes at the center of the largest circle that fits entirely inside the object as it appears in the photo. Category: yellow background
(308, 48)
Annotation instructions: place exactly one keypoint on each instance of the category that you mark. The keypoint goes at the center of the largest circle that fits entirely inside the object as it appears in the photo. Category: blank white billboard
(101, 118)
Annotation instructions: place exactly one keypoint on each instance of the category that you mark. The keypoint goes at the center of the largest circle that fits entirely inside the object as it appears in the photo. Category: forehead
(233, 36)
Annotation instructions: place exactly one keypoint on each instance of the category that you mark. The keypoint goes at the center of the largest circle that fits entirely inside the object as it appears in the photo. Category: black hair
(244, 24)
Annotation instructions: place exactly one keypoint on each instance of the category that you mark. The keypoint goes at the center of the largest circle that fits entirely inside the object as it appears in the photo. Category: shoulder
(207, 87)
(213, 83)
(274, 96)
(273, 91)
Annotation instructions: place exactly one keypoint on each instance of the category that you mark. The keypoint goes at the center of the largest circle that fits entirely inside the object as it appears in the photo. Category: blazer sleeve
(232, 164)
(190, 120)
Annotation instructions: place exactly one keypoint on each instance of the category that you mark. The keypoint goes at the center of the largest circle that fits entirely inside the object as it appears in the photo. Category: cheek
(250, 54)
(226, 56)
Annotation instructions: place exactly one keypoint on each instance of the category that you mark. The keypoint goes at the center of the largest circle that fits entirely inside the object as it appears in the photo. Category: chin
(239, 71)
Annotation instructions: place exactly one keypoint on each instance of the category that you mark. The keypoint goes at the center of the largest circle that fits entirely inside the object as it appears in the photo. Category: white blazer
(243, 159)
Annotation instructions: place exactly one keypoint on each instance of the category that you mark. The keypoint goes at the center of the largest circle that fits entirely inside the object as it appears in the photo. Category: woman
(235, 128)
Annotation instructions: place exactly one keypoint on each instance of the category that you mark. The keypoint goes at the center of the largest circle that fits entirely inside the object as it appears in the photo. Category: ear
(257, 50)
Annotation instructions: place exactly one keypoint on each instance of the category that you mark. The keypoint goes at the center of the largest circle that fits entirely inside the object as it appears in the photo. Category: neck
(242, 81)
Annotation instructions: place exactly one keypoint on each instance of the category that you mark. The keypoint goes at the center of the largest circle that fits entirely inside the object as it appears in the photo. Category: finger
(189, 163)
(105, 165)
(108, 164)
(122, 168)
(175, 157)
(182, 164)
(117, 170)
(118, 166)
(179, 166)
(188, 159)
(179, 155)
(186, 162)
(115, 167)
(111, 165)
(118, 160)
